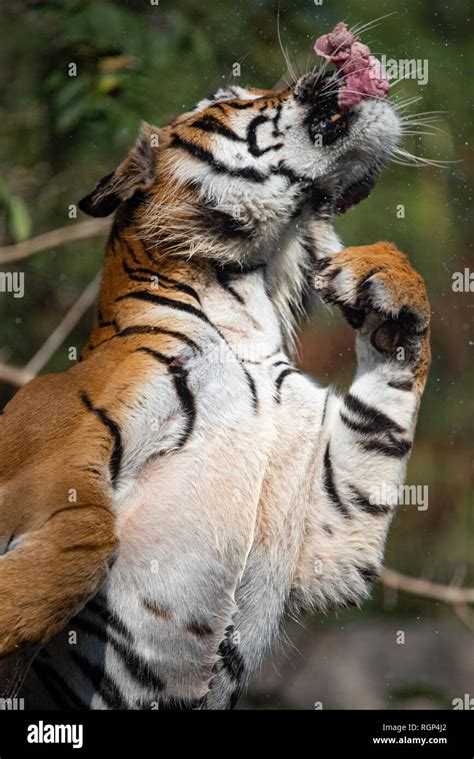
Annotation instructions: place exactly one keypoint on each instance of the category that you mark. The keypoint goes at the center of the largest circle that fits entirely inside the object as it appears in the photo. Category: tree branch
(14, 376)
(426, 589)
(57, 337)
(71, 233)
(18, 377)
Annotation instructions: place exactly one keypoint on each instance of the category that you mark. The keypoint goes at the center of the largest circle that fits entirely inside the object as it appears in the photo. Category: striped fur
(169, 498)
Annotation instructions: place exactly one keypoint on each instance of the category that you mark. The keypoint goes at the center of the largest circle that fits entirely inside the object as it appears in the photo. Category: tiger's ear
(136, 172)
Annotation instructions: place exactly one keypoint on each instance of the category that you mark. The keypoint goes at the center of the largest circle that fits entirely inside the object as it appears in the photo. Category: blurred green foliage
(137, 60)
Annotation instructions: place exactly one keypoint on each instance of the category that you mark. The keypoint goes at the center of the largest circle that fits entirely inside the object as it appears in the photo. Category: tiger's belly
(187, 523)
(186, 530)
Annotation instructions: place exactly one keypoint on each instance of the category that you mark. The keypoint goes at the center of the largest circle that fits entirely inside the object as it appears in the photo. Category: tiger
(170, 499)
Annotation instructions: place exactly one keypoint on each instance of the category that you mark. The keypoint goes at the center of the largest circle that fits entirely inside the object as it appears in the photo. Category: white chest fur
(188, 519)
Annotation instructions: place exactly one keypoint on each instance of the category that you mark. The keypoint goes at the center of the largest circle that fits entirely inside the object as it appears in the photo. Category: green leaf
(19, 220)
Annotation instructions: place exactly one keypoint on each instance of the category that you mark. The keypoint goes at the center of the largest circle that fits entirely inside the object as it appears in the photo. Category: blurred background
(63, 127)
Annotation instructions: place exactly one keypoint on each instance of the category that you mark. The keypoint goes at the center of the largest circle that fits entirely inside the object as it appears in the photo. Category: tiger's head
(243, 177)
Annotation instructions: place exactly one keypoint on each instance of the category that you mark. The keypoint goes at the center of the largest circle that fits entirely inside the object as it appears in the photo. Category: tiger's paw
(380, 294)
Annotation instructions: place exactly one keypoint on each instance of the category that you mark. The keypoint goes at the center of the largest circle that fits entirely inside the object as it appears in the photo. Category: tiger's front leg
(367, 435)
(58, 533)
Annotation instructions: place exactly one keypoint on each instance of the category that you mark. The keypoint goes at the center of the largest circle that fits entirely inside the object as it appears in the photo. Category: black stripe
(179, 305)
(218, 107)
(59, 690)
(167, 360)
(180, 287)
(325, 408)
(252, 386)
(187, 401)
(152, 330)
(91, 628)
(116, 456)
(93, 470)
(276, 118)
(97, 607)
(205, 155)
(103, 323)
(364, 429)
(401, 384)
(147, 252)
(395, 449)
(137, 667)
(389, 446)
(239, 106)
(369, 574)
(334, 273)
(174, 284)
(210, 124)
(225, 224)
(330, 487)
(364, 284)
(252, 137)
(183, 392)
(232, 660)
(130, 250)
(222, 277)
(284, 171)
(198, 628)
(362, 502)
(280, 379)
(380, 422)
(355, 317)
(263, 359)
(100, 682)
(135, 273)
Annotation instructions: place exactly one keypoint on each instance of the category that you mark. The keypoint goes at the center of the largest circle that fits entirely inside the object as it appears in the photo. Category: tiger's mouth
(363, 156)
(360, 136)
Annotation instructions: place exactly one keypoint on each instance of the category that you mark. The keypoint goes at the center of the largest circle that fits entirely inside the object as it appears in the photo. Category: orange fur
(54, 461)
